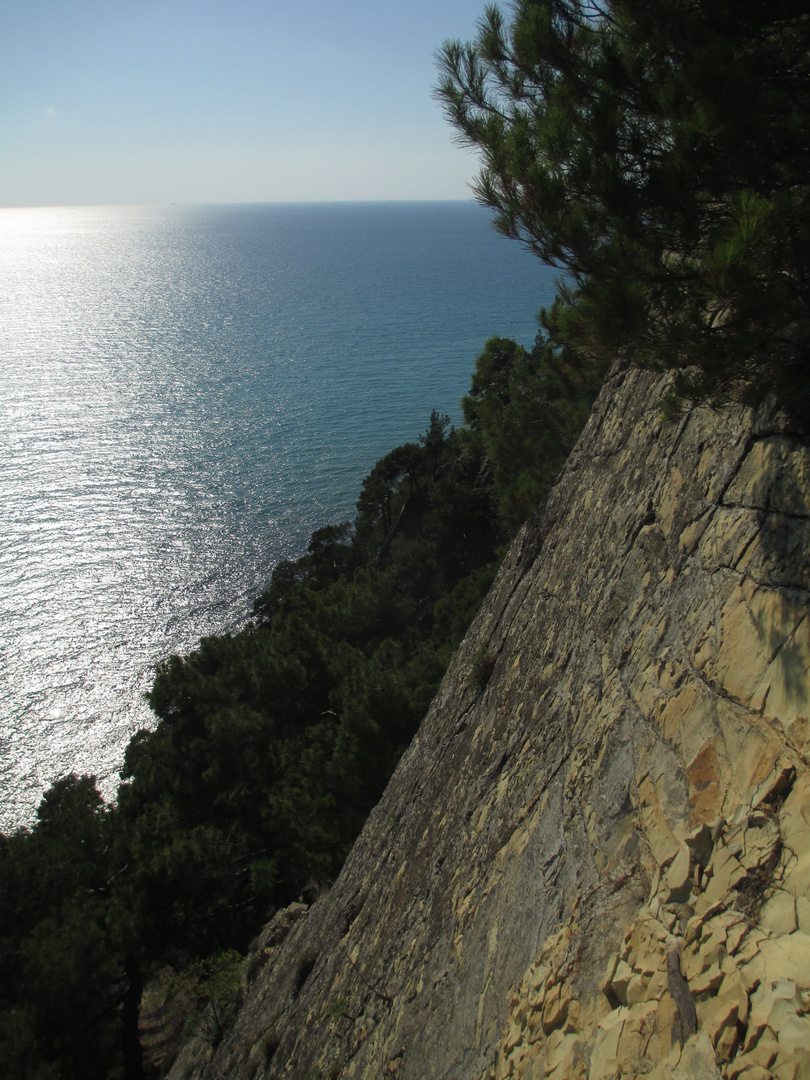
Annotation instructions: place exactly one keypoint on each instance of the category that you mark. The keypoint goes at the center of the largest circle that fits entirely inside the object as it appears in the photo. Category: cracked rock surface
(598, 864)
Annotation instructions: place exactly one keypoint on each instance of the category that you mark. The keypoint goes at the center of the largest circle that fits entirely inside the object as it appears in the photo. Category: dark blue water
(185, 394)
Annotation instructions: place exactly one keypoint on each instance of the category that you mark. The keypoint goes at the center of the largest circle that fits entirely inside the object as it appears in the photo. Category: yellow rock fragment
(728, 1039)
(753, 1071)
(667, 1028)
(766, 1050)
(646, 988)
(712, 944)
(775, 783)
(794, 1066)
(665, 1070)
(534, 1027)
(677, 886)
(692, 962)
(621, 980)
(735, 989)
(749, 953)
(561, 1052)
(803, 913)
(794, 821)
(514, 1034)
(779, 913)
(726, 872)
(659, 835)
(605, 1054)
(697, 1061)
(760, 841)
(746, 1067)
(610, 969)
(556, 1009)
(797, 877)
(700, 843)
(707, 982)
(735, 936)
(649, 960)
(728, 966)
(693, 929)
(721, 1024)
(781, 958)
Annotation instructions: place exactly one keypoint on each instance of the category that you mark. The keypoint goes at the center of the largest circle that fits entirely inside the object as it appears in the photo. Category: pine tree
(658, 153)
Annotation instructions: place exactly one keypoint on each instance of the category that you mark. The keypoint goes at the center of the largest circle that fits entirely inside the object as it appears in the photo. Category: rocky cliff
(594, 860)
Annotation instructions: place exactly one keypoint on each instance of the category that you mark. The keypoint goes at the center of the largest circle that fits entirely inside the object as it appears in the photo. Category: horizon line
(236, 202)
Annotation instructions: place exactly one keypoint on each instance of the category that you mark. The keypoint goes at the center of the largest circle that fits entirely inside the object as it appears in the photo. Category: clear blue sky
(157, 101)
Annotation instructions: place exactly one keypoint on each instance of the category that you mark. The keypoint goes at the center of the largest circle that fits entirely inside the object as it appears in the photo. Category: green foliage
(337, 1009)
(207, 993)
(482, 668)
(657, 152)
(525, 411)
(274, 743)
(69, 981)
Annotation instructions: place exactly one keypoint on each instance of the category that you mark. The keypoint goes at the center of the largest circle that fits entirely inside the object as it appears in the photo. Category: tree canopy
(657, 152)
(524, 412)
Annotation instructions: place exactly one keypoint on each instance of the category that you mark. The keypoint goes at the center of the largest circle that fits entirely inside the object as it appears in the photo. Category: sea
(186, 393)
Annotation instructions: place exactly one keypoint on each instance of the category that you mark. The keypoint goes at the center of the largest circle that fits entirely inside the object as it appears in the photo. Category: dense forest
(656, 151)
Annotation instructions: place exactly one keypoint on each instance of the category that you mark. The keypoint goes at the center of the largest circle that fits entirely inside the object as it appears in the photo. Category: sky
(212, 101)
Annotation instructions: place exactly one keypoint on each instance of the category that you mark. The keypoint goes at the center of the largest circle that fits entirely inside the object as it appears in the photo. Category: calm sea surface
(185, 394)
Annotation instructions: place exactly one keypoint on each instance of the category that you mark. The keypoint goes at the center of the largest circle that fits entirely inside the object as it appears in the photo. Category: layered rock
(594, 859)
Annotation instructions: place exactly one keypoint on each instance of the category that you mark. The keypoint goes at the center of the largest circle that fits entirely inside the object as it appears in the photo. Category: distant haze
(237, 101)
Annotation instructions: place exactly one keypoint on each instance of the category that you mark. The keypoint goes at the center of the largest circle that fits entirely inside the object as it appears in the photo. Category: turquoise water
(185, 394)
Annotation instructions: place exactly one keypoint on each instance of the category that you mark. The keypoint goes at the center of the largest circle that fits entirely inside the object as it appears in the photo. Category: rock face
(594, 860)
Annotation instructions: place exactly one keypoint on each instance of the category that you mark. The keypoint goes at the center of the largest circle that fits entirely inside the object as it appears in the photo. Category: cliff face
(594, 860)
